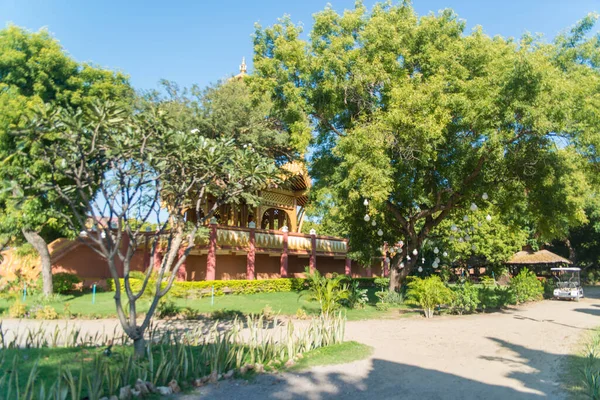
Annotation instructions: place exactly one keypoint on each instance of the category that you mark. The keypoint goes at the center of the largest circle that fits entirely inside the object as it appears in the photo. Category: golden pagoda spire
(243, 67)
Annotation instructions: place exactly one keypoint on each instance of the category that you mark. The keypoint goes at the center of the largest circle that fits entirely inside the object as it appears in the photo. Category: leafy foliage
(465, 299)
(428, 293)
(65, 282)
(525, 286)
(328, 292)
(357, 297)
(444, 116)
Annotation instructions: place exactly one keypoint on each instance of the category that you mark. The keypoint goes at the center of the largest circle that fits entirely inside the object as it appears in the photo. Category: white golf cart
(568, 283)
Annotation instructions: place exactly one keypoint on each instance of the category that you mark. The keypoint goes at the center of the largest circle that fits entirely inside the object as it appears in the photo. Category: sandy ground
(516, 354)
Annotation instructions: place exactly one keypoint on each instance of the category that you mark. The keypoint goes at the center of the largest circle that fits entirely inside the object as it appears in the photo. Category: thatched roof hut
(529, 257)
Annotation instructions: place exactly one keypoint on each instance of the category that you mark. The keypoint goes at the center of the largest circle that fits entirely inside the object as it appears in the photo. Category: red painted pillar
(313, 250)
(157, 257)
(283, 264)
(211, 258)
(369, 272)
(251, 257)
(181, 272)
(146, 261)
(348, 267)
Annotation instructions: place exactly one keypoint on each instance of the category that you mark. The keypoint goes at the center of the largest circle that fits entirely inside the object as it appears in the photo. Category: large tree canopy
(422, 118)
(35, 69)
(231, 109)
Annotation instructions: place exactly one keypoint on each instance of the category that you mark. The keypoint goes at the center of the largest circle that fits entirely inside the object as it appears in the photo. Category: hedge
(186, 288)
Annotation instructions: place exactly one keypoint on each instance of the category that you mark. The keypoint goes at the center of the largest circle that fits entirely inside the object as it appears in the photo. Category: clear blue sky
(202, 41)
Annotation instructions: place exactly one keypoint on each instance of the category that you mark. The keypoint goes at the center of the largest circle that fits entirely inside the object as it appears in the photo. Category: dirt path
(515, 354)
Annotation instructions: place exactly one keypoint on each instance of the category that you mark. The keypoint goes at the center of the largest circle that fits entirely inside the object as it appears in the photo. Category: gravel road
(516, 354)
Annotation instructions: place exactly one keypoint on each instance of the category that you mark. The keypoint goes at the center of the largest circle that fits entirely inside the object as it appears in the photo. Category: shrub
(382, 306)
(267, 312)
(328, 292)
(428, 293)
(64, 282)
(301, 313)
(445, 274)
(391, 298)
(45, 312)
(526, 287)
(357, 298)
(495, 297)
(183, 289)
(17, 310)
(382, 283)
(466, 298)
(167, 308)
(487, 281)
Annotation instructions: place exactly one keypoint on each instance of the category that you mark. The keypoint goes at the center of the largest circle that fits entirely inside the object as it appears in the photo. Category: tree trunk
(398, 275)
(139, 347)
(40, 245)
(572, 254)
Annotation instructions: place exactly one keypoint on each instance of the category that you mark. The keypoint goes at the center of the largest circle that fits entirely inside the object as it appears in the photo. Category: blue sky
(202, 41)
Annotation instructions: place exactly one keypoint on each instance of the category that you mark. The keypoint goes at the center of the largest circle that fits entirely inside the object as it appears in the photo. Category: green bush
(357, 298)
(445, 274)
(64, 282)
(167, 308)
(330, 293)
(495, 297)
(184, 289)
(391, 298)
(382, 283)
(526, 287)
(428, 293)
(466, 298)
(17, 310)
(382, 306)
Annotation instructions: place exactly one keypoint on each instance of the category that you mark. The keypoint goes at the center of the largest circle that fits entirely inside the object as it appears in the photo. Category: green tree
(35, 69)
(148, 172)
(230, 109)
(422, 118)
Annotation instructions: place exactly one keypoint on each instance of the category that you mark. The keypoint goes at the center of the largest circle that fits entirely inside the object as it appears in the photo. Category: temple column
(313, 250)
(251, 256)
(283, 264)
(211, 258)
(348, 267)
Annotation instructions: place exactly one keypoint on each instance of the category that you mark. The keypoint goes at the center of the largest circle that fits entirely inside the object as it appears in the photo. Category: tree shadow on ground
(533, 377)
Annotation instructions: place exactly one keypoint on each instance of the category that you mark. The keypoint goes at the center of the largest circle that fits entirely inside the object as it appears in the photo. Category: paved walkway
(515, 354)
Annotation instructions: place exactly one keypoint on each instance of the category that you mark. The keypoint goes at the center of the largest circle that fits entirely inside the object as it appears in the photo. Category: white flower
(196, 131)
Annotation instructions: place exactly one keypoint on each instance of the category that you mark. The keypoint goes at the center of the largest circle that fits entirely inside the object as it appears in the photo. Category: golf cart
(568, 283)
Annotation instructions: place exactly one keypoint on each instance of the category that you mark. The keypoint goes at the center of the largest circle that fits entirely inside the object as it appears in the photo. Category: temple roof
(529, 257)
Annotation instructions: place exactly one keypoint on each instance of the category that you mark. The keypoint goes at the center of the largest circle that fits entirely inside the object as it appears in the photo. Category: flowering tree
(124, 171)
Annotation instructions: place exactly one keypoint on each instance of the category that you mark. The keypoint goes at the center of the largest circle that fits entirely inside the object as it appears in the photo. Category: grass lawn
(586, 356)
(284, 303)
(336, 354)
